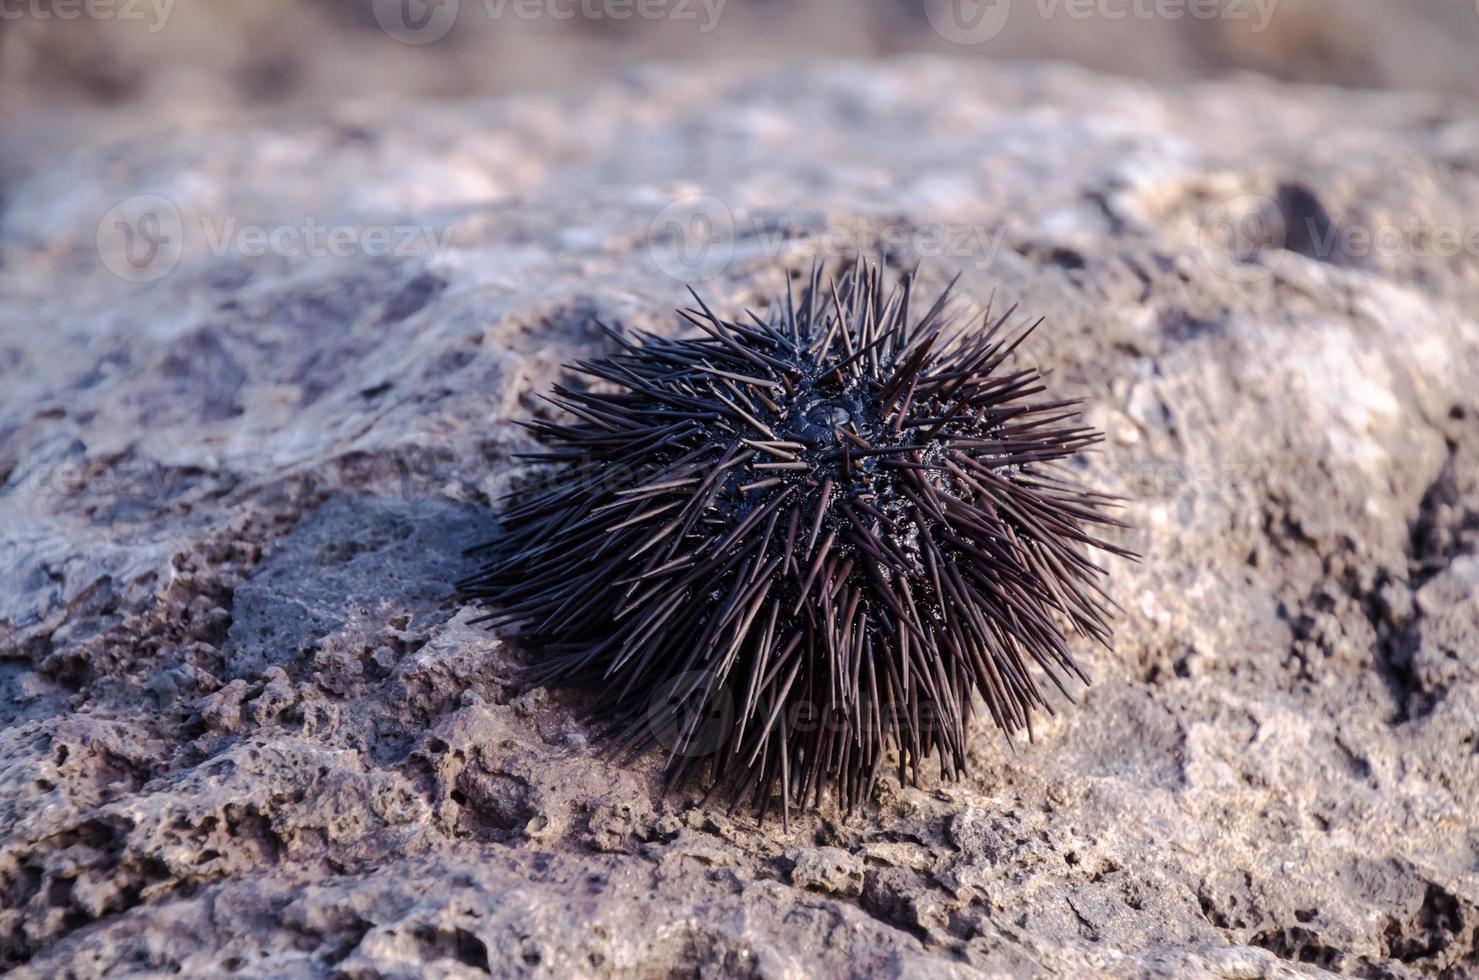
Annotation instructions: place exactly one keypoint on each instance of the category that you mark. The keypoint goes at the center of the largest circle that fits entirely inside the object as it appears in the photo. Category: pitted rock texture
(245, 732)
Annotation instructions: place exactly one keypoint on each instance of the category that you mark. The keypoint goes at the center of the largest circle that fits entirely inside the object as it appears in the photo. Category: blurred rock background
(81, 72)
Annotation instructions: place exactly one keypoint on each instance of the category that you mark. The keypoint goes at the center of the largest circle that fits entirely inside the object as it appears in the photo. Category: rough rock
(245, 732)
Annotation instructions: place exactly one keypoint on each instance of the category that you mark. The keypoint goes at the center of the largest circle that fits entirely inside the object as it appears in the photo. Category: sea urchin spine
(782, 547)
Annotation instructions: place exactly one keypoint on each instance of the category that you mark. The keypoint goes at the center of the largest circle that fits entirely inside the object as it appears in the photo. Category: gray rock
(242, 734)
(353, 558)
(827, 869)
(1448, 655)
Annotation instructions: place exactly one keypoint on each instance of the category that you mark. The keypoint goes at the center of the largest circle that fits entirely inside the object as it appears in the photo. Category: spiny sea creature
(782, 547)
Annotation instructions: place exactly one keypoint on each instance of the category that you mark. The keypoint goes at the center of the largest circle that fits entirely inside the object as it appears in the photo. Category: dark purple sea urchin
(783, 547)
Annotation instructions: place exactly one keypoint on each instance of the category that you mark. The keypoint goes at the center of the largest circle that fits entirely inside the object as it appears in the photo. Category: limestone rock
(260, 390)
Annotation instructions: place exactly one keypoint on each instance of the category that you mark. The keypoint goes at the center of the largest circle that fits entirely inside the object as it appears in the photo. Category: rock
(241, 728)
(348, 558)
(827, 869)
(1448, 650)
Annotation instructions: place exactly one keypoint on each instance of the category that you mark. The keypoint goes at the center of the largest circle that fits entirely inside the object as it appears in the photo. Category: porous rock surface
(245, 733)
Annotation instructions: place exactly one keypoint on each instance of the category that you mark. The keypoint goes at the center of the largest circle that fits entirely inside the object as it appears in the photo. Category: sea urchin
(782, 547)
